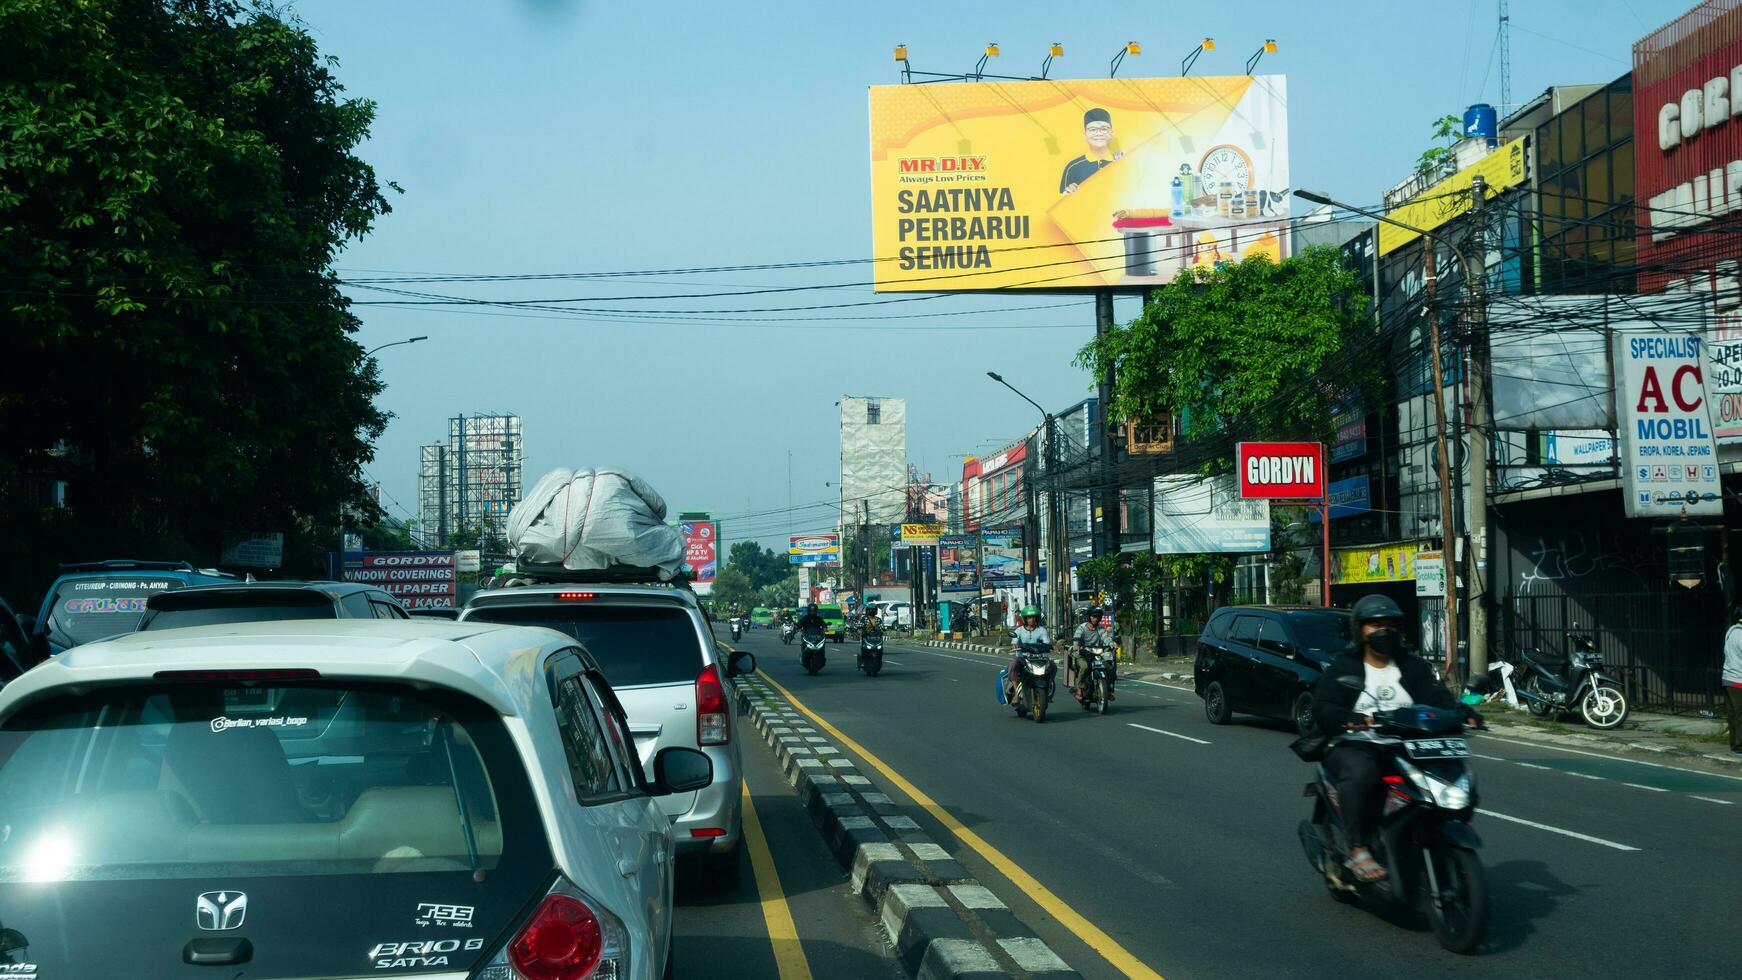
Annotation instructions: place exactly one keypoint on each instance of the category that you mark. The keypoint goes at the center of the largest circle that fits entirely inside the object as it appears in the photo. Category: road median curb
(943, 924)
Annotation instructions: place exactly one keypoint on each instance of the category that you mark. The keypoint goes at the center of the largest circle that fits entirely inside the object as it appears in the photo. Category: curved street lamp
(409, 340)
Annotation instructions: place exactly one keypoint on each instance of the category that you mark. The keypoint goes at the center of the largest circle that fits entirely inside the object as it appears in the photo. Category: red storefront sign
(418, 579)
(1281, 470)
(1687, 129)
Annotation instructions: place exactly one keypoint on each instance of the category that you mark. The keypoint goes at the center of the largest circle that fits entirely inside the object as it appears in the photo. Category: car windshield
(88, 609)
(633, 644)
(1322, 635)
(832, 614)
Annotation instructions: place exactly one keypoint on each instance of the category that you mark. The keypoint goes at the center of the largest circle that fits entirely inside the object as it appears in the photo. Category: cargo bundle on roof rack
(615, 575)
(594, 520)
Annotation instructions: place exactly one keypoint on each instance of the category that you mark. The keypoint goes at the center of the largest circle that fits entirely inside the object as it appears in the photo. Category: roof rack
(616, 575)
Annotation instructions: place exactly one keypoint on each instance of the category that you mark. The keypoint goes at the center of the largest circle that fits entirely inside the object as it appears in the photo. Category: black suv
(1264, 660)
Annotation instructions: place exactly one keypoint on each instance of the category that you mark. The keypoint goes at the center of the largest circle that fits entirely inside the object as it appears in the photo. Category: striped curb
(943, 924)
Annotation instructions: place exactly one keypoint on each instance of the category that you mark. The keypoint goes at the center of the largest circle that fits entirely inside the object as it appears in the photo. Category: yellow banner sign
(1381, 563)
(921, 535)
(1059, 184)
(1502, 169)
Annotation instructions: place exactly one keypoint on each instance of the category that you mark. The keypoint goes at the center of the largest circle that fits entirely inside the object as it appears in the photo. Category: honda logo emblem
(216, 911)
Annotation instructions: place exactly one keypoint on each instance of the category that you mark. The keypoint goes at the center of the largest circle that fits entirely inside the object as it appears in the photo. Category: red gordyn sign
(1281, 470)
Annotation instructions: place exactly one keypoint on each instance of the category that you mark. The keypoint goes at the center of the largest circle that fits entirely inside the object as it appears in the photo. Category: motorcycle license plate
(1437, 748)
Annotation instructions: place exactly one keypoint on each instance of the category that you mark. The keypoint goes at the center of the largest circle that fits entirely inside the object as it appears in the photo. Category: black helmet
(1371, 607)
(1092, 612)
(813, 608)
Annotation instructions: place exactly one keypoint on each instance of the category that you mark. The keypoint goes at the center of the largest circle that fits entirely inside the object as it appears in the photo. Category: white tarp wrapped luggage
(594, 519)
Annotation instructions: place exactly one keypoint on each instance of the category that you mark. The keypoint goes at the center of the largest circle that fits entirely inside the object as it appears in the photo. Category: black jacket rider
(812, 620)
(1334, 704)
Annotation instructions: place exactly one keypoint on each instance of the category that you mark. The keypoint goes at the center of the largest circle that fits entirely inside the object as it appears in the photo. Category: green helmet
(1028, 611)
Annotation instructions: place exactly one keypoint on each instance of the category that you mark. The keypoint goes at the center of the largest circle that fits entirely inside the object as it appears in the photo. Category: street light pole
(338, 572)
(409, 340)
(1057, 563)
(1477, 499)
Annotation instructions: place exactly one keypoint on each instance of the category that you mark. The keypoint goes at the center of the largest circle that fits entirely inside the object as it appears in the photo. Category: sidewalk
(1687, 737)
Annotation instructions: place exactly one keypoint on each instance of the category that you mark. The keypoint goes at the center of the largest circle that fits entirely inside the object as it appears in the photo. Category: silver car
(653, 644)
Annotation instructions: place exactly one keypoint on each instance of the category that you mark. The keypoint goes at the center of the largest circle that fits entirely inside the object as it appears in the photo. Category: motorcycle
(812, 658)
(1580, 684)
(1423, 835)
(737, 629)
(1092, 694)
(871, 653)
(1034, 681)
(787, 631)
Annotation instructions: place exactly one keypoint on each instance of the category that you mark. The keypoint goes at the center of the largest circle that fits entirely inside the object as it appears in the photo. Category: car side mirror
(1352, 682)
(742, 662)
(681, 770)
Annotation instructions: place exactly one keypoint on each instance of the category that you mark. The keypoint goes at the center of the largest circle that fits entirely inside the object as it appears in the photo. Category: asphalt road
(1177, 838)
(725, 932)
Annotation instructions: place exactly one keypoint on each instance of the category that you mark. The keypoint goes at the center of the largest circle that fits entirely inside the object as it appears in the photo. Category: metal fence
(1666, 649)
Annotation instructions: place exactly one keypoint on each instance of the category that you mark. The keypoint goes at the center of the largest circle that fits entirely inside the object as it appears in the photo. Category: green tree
(385, 535)
(732, 588)
(760, 565)
(176, 179)
(1254, 350)
(779, 595)
(1448, 129)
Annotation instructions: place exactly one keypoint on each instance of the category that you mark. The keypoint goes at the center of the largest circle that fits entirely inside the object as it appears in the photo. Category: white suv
(332, 799)
(653, 644)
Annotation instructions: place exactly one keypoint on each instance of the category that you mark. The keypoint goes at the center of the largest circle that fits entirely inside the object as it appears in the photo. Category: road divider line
(1163, 731)
(1491, 758)
(1091, 935)
(1599, 755)
(1710, 799)
(789, 956)
(1557, 830)
(1654, 789)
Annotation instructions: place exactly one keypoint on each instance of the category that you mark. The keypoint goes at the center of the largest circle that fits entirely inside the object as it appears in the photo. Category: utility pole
(1107, 492)
(1429, 291)
(1059, 561)
(1476, 330)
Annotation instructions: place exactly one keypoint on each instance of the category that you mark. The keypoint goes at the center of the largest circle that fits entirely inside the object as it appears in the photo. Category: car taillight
(568, 937)
(562, 941)
(713, 716)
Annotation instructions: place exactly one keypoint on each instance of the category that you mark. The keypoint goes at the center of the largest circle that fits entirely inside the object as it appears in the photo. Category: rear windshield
(832, 614)
(228, 609)
(142, 814)
(90, 609)
(633, 644)
(1322, 635)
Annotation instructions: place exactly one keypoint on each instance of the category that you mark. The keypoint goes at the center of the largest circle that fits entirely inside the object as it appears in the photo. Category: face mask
(1386, 642)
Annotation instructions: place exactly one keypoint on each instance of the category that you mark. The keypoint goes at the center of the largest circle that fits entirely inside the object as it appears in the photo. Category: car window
(1217, 627)
(385, 610)
(14, 648)
(1322, 635)
(88, 609)
(1273, 637)
(595, 774)
(171, 619)
(1245, 629)
(617, 737)
(632, 644)
(357, 606)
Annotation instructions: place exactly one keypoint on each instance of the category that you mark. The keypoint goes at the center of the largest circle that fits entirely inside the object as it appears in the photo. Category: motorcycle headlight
(1446, 794)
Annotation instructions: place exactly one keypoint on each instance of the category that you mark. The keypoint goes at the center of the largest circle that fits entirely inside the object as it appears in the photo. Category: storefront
(1389, 570)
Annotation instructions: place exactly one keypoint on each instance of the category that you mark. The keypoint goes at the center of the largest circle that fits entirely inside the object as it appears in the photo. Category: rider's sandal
(1366, 869)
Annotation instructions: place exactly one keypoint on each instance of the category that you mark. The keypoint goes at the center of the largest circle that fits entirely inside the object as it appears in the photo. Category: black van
(1264, 660)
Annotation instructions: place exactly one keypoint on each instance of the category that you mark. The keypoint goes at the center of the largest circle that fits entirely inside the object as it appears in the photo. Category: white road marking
(1585, 775)
(1532, 765)
(1557, 830)
(1490, 758)
(1709, 799)
(1654, 789)
(1599, 755)
(1163, 731)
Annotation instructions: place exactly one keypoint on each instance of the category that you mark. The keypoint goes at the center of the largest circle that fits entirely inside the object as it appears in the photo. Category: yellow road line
(1121, 958)
(782, 933)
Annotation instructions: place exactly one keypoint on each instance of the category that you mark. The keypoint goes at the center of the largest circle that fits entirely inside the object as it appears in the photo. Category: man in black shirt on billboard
(1098, 133)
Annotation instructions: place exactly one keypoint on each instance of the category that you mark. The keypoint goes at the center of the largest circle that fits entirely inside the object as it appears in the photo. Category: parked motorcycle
(737, 629)
(1579, 684)
(1423, 836)
(871, 653)
(1034, 681)
(1093, 690)
(812, 657)
(788, 630)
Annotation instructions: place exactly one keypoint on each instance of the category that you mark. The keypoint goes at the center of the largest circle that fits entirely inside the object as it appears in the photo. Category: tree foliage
(732, 588)
(1448, 129)
(1252, 350)
(760, 565)
(176, 178)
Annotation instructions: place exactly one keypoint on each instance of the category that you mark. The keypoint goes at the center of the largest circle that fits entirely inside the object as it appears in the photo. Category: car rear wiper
(447, 730)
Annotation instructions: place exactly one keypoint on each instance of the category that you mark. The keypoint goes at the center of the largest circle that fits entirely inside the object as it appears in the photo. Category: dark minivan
(1264, 660)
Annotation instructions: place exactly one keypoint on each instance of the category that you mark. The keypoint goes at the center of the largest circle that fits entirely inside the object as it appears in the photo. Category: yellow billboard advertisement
(1075, 184)
(1449, 198)
(1379, 563)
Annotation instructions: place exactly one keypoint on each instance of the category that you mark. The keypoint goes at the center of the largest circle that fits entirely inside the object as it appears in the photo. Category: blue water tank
(1481, 122)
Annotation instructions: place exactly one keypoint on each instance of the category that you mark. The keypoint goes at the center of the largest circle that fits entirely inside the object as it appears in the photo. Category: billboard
(1669, 460)
(418, 579)
(919, 535)
(1062, 184)
(958, 563)
(1502, 170)
(701, 553)
(1280, 470)
(1001, 557)
(1379, 563)
(813, 549)
(1197, 516)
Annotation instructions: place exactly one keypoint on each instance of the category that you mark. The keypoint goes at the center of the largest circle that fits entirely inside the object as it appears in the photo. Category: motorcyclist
(1091, 633)
(1030, 631)
(812, 619)
(1392, 678)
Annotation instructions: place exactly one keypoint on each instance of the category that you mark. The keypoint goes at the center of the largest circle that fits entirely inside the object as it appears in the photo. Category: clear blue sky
(559, 136)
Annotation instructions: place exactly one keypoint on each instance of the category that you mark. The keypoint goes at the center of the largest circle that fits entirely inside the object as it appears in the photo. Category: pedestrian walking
(1732, 678)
